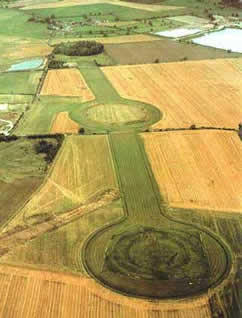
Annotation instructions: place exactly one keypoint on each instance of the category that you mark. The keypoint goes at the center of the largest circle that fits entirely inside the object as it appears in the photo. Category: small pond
(27, 65)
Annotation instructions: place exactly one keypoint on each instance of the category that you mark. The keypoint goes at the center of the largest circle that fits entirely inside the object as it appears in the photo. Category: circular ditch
(159, 263)
(117, 116)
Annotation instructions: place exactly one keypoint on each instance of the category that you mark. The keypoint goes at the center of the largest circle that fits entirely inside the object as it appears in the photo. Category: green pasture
(15, 99)
(104, 11)
(13, 23)
(15, 83)
(24, 161)
(38, 119)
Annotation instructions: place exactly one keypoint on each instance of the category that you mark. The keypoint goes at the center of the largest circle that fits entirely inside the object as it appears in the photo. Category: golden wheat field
(82, 171)
(66, 82)
(26, 293)
(113, 39)
(197, 169)
(62, 124)
(204, 93)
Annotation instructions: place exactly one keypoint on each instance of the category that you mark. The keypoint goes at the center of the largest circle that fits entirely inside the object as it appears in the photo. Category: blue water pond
(27, 65)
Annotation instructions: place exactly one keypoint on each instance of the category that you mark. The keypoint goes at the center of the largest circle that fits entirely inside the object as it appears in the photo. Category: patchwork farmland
(120, 160)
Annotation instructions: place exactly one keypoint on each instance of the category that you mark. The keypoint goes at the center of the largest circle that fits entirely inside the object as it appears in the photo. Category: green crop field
(25, 83)
(105, 11)
(17, 25)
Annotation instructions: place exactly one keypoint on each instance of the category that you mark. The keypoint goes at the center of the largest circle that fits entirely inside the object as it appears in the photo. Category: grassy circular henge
(116, 116)
(148, 254)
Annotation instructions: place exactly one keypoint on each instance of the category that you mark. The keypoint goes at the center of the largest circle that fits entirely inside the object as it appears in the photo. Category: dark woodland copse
(54, 64)
(49, 148)
(80, 48)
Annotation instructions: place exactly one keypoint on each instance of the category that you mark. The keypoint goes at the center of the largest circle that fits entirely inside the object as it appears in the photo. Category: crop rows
(66, 82)
(188, 178)
(186, 93)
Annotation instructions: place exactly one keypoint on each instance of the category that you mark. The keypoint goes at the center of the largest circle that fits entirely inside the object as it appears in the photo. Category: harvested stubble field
(30, 50)
(31, 293)
(114, 39)
(187, 92)
(66, 82)
(189, 179)
(62, 124)
(75, 179)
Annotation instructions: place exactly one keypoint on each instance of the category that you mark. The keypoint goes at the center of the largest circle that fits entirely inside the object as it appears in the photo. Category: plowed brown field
(74, 180)
(66, 82)
(205, 93)
(28, 293)
(197, 169)
(63, 124)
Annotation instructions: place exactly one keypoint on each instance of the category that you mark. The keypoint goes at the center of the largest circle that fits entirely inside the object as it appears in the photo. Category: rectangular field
(30, 50)
(66, 82)
(204, 93)
(19, 83)
(197, 169)
(114, 39)
(163, 50)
